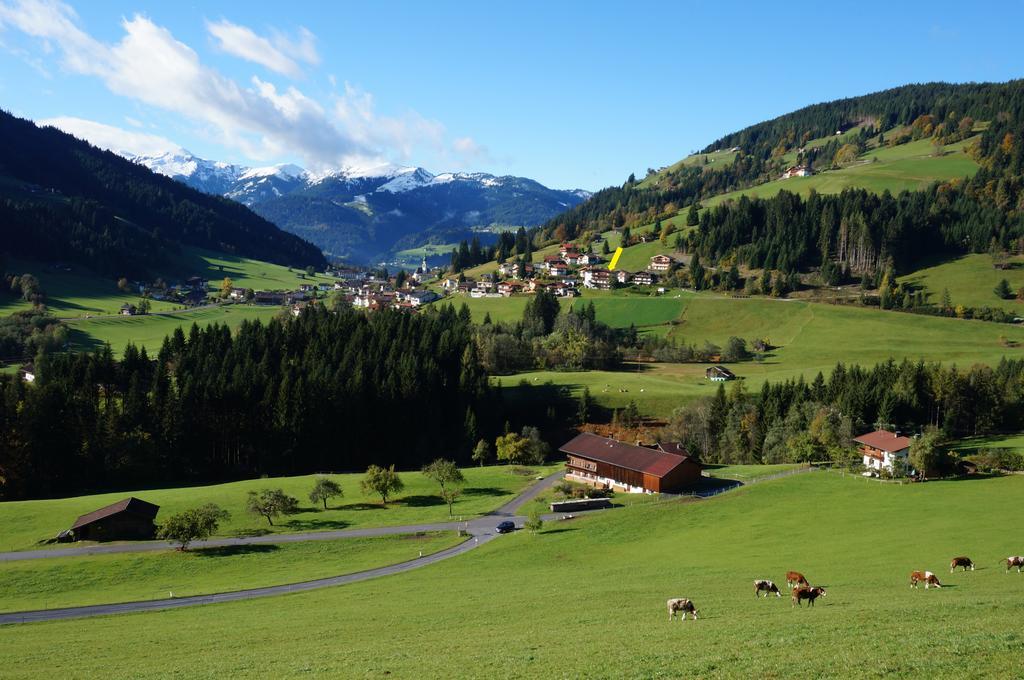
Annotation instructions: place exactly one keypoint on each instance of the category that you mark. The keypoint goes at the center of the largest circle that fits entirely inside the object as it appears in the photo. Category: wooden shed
(128, 519)
(608, 463)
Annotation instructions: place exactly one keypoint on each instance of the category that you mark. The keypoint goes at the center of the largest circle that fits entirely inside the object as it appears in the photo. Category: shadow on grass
(560, 530)
(317, 524)
(250, 533)
(484, 491)
(421, 501)
(360, 506)
(234, 550)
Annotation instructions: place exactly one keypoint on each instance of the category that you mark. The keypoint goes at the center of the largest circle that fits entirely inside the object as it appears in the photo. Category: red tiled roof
(133, 505)
(884, 440)
(628, 456)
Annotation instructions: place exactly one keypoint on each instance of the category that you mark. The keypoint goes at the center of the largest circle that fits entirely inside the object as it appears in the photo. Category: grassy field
(1012, 442)
(906, 167)
(245, 272)
(809, 337)
(130, 577)
(586, 598)
(970, 280)
(81, 293)
(73, 293)
(150, 331)
(618, 309)
(27, 522)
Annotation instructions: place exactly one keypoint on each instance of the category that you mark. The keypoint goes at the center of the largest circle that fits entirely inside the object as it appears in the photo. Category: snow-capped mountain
(367, 212)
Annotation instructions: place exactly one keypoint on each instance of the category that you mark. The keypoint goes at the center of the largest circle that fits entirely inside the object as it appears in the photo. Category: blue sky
(572, 94)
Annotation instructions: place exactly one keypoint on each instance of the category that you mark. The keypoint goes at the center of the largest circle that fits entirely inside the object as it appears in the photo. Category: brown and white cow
(795, 578)
(1015, 561)
(767, 586)
(928, 578)
(681, 604)
(964, 562)
(807, 593)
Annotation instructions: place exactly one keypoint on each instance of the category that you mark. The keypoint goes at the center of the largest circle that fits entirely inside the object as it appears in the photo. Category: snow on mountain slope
(363, 211)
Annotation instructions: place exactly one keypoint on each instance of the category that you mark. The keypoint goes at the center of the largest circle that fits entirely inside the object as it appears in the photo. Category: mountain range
(367, 213)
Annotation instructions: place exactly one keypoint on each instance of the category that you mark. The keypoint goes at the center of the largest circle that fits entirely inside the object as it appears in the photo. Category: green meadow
(905, 167)
(809, 337)
(130, 577)
(81, 293)
(28, 522)
(149, 331)
(970, 281)
(586, 598)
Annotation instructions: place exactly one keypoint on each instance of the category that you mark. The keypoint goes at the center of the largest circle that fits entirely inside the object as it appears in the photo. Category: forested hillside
(324, 391)
(854, 230)
(63, 200)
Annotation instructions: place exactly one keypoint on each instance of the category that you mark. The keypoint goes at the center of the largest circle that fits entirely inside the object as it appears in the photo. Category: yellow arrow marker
(615, 259)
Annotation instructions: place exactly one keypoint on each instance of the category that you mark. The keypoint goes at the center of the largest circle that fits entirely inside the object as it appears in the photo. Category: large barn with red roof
(608, 463)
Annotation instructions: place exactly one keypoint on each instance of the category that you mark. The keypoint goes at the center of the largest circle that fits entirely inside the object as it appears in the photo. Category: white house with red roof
(882, 447)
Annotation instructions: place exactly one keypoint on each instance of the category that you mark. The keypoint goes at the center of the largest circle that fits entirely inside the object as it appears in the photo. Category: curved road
(481, 531)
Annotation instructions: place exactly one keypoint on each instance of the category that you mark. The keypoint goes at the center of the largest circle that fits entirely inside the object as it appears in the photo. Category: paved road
(475, 526)
(481, 531)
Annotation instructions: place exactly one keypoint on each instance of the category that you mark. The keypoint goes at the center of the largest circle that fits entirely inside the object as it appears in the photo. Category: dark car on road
(505, 527)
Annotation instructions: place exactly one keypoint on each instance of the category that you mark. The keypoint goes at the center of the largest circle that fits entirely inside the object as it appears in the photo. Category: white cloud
(279, 53)
(124, 142)
(134, 122)
(356, 111)
(259, 119)
(468, 148)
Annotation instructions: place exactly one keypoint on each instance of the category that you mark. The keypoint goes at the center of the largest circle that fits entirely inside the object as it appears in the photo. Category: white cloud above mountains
(278, 52)
(260, 120)
(111, 138)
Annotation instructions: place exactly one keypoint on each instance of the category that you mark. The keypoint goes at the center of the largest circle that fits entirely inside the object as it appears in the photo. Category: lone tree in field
(512, 448)
(195, 524)
(534, 522)
(692, 218)
(323, 490)
(383, 482)
(1003, 291)
(270, 503)
(926, 455)
(482, 452)
(448, 476)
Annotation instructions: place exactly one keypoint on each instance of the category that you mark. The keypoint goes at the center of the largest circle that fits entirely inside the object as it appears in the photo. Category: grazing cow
(928, 578)
(681, 604)
(1015, 561)
(795, 578)
(964, 562)
(807, 593)
(767, 586)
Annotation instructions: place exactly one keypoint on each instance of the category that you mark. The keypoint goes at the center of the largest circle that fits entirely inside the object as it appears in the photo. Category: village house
(609, 464)
(622, 276)
(420, 298)
(881, 448)
(567, 248)
(558, 269)
(600, 279)
(644, 279)
(589, 258)
(450, 284)
(128, 519)
(509, 288)
(27, 373)
(466, 287)
(719, 374)
(797, 171)
(129, 310)
(661, 263)
(238, 294)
